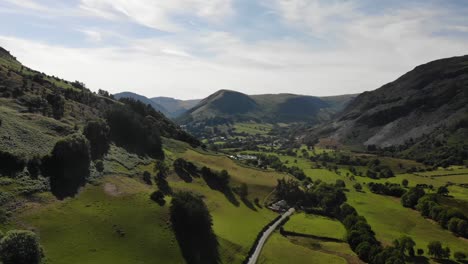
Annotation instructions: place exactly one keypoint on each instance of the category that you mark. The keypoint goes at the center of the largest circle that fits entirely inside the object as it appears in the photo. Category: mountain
(423, 110)
(233, 106)
(175, 107)
(142, 99)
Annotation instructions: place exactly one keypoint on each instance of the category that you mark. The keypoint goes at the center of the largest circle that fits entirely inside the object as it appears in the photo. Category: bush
(10, 164)
(98, 134)
(67, 165)
(20, 247)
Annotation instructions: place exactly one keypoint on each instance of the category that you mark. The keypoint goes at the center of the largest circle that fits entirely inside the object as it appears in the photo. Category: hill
(423, 111)
(142, 99)
(175, 107)
(231, 106)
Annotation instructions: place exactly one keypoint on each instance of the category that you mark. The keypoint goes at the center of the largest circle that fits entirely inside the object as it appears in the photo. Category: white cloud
(159, 14)
(365, 51)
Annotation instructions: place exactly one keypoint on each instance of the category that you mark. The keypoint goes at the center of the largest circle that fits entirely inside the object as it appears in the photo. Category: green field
(315, 225)
(253, 128)
(279, 249)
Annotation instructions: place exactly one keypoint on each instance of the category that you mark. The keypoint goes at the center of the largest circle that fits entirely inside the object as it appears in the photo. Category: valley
(100, 178)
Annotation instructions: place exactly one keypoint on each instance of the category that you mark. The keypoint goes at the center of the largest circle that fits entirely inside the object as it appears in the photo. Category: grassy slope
(84, 229)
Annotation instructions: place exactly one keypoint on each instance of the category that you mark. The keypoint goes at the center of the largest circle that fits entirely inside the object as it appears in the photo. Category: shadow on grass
(184, 175)
(248, 203)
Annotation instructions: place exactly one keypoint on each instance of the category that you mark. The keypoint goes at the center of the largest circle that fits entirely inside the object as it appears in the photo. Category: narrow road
(253, 259)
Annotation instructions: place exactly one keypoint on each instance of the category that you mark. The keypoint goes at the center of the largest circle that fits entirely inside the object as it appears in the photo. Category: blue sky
(192, 48)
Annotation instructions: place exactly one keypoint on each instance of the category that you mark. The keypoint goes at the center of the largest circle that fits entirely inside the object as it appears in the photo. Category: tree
(420, 251)
(67, 166)
(20, 247)
(340, 183)
(158, 197)
(10, 164)
(243, 190)
(34, 166)
(358, 187)
(435, 249)
(192, 225)
(99, 165)
(57, 103)
(404, 182)
(98, 134)
(411, 198)
(443, 190)
(406, 245)
(460, 256)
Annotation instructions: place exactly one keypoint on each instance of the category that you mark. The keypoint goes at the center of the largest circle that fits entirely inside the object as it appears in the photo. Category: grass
(28, 134)
(85, 229)
(390, 220)
(315, 225)
(279, 249)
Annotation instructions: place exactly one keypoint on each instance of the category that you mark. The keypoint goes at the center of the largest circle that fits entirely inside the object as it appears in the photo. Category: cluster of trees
(449, 218)
(134, 131)
(192, 225)
(411, 198)
(326, 197)
(338, 158)
(20, 247)
(377, 170)
(392, 189)
(362, 240)
(155, 119)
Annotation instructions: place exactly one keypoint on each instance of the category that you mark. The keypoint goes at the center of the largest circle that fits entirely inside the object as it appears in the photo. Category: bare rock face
(431, 96)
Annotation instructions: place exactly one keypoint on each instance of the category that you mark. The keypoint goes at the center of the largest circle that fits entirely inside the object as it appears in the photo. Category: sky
(191, 48)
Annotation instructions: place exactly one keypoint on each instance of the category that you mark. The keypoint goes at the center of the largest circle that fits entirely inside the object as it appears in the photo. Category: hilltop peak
(6, 54)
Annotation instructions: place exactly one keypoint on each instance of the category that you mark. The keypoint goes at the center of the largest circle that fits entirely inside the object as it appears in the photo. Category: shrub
(20, 247)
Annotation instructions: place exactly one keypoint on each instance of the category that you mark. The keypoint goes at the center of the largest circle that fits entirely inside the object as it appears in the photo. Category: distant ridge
(235, 106)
